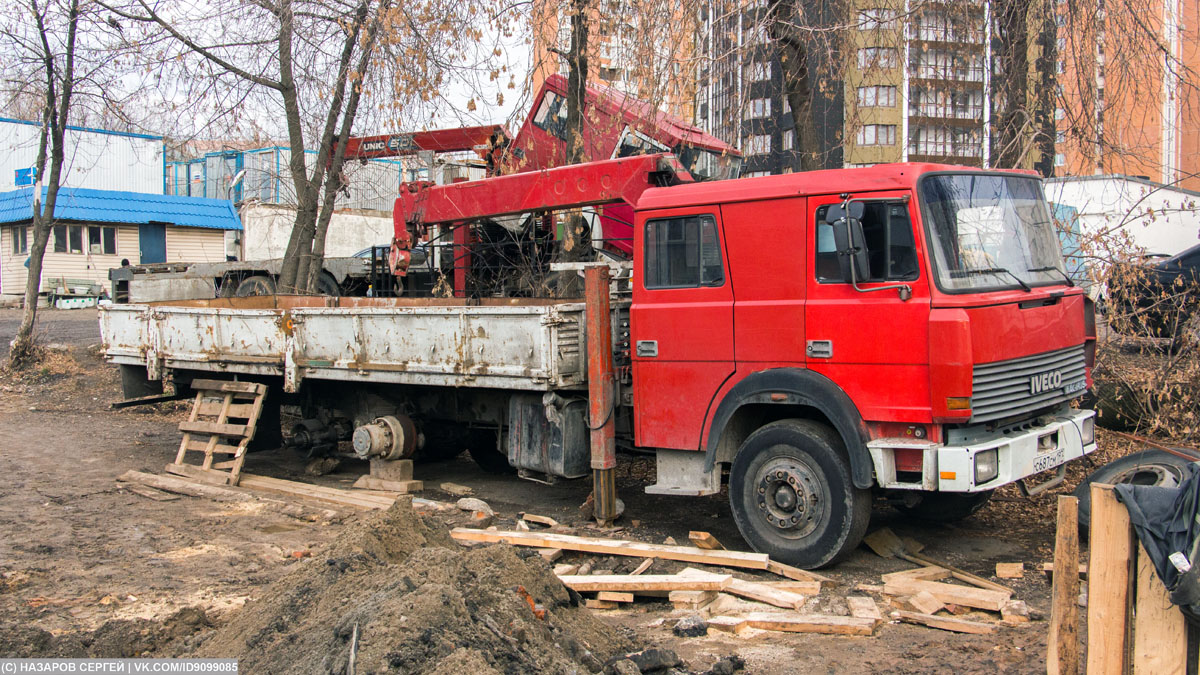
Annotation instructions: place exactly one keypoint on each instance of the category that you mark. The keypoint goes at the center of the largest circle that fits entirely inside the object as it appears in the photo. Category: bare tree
(54, 42)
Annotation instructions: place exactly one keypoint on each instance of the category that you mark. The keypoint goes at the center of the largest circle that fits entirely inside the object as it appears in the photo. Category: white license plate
(1049, 460)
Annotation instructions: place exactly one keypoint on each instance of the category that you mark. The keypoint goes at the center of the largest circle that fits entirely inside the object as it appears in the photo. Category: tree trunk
(300, 241)
(576, 242)
(54, 125)
(1044, 114)
(1010, 85)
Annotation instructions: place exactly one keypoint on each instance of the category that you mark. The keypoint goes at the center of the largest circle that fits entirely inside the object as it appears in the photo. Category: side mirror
(853, 255)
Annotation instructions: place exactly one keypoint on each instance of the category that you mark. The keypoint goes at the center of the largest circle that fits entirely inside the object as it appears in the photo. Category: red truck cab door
(681, 323)
(873, 344)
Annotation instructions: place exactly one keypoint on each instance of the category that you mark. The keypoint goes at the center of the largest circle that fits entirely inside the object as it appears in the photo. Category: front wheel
(792, 496)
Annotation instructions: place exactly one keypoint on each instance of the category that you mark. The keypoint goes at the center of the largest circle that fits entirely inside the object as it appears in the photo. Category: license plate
(1075, 386)
(1049, 460)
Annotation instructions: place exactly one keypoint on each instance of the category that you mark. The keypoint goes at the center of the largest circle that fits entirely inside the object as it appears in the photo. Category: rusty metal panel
(532, 346)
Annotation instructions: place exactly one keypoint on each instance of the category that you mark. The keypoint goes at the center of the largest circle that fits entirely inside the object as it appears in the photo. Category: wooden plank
(615, 547)
(862, 607)
(961, 575)
(550, 554)
(197, 473)
(645, 582)
(810, 623)
(1159, 629)
(595, 603)
(150, 493)
(705, 540)
(800, 587)
(928, 573)
(764, 593)
(217, 428)
(183, 443)
(1110, 578)
(643, 566)
(1010, 570)
(184, 487)
(540, 520)
(925, 603)
(197, 445)
(314, 492)
(229, 386)
(797, 574)
(945, 623)
(1062, 649)
(728, 624)
(615, 596)
(1048, 568)
(401, 486)
(980, 598)
(236, 410)
(691, 599)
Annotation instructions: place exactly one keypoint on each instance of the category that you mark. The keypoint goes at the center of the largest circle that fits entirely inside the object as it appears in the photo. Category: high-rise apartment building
(901, 81)
(1129, 101)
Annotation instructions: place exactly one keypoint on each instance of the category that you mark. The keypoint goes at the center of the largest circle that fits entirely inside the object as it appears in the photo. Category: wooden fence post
(1110, 578)
(1062, 653)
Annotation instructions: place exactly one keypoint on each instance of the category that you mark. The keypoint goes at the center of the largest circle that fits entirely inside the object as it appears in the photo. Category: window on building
(876, 134)
(1060, 159)
(68, 238)
(787, 106)
(876, 97)
(878, 18)
(938, 141)
(758, 145)
(20, 240)
(758, 108)
(683, 253)
(756, 174)
(102, 240)
(876, 57)
(888, 235)
(789, 139)
(758, 71)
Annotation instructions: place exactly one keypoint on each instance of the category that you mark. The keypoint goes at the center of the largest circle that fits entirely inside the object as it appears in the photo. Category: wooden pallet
(222, 422)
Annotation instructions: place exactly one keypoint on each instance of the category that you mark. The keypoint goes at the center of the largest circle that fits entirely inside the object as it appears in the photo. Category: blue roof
(106, 206)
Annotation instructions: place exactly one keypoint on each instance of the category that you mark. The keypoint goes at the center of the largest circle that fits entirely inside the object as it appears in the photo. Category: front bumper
(1018, 455)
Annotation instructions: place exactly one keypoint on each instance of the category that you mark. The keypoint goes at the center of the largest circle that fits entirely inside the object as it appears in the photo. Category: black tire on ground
(796, 472)
(946, 507)
(327, 285)
(256, 285)
(1147, 467)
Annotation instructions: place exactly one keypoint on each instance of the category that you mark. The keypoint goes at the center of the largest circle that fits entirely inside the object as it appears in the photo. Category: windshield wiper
(1052, 268)
(993, 270)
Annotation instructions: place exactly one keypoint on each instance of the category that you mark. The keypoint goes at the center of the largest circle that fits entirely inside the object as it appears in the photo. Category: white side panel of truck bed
(531, 347)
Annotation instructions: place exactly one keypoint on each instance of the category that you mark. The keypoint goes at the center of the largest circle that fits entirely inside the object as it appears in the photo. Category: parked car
(1156, 296)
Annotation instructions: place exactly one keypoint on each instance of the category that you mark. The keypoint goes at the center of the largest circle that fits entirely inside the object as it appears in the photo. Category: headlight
(987, 465)
(1088, 431)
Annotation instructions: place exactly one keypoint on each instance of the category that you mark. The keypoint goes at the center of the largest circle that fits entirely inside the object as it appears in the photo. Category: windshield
(990, 232)
(707, 164)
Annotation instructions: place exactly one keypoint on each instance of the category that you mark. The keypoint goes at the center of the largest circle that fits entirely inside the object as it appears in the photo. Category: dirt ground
(77, 551)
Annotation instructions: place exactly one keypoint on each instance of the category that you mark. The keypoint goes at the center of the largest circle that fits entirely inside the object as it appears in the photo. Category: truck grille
(1017, 386)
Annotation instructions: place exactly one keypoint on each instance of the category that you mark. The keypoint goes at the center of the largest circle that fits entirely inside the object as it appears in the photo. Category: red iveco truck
(813, 340)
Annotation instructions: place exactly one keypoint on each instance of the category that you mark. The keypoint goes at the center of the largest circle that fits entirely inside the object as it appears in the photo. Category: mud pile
(404, 597)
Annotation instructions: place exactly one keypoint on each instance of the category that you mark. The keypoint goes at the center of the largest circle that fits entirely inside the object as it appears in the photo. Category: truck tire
(792, 496)
(1147, 467)
(327, 285)
(256, 285)
(946, 507)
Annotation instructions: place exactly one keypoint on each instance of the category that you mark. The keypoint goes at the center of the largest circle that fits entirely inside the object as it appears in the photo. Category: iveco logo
(1045, 382)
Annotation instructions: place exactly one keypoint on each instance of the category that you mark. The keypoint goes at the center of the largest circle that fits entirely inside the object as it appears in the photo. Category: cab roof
(901, 175)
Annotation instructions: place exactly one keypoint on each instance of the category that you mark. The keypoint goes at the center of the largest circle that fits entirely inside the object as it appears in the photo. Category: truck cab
(906, 329)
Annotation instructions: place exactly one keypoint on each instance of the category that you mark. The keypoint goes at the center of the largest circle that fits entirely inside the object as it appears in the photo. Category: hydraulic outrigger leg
(601, 395)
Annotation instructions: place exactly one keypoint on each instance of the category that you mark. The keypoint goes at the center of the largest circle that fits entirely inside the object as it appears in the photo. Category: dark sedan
(1158, 297)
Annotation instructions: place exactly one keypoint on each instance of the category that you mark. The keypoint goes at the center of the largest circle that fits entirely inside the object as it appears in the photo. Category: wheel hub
(789, 496)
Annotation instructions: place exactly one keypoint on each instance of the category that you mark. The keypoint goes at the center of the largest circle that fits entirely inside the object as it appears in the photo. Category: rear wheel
(1148, 467)
(256, 285)
(946, 507)
(327, 285)
(792, 496)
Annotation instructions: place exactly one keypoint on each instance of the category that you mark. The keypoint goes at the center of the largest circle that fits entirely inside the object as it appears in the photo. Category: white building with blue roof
(111, 209)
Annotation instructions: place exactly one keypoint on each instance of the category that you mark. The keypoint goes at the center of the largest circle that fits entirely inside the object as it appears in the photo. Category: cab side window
(683, 253)
(888, 234)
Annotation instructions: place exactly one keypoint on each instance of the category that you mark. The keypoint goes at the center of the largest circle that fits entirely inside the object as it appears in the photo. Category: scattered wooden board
(928, 573)
(791, 622)
(692, 600)
(150, 493)
(645, 582)
(639, 549)
(563, 570)
(399, 486)
(801, 587)
(1010, 570)
(1048, 568)
(184, 487)
(540, 520)
(945, 623)
(643, 566)
(316, 492)
(862, 607)
(979, 598)
(593, 603)
(764, 593)
(614, 596)
(797, 574)
(705, 540)
(550, 554)
(868, 588)
(728, 624)
(925, 603)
